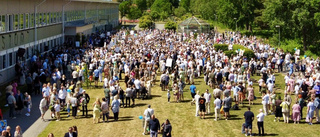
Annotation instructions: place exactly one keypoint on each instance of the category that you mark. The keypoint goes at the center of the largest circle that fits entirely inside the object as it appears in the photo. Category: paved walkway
(31, 126)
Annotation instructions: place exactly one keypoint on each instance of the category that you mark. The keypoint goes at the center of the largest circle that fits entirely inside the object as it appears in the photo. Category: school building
(29, 26)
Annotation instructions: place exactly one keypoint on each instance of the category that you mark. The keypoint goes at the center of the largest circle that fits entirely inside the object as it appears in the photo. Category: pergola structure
(193, 24)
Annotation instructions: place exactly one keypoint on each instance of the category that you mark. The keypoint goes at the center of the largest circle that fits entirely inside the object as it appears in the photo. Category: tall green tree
(296, 18)
(142, 4)
(185, 4)
(124, 8)
(149, 3)
(134, 13)
(145, 22)
(161, 6)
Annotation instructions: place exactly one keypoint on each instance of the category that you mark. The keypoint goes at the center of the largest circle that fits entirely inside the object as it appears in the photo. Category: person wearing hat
(85, 98)
(147, 117)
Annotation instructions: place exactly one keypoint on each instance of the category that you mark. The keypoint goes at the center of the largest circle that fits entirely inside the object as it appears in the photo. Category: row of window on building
(15, 22)
(10, 58)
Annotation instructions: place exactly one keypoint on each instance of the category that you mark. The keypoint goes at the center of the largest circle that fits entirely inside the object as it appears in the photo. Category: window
(47, 18)
(31, 20)
(10, 22)
(2, 23)
(16, 22)
(10, 59)
(21, 21)
(27, 20)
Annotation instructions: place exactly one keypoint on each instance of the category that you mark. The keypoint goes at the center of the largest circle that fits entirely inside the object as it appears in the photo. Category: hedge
(223, 47)
(229, 53)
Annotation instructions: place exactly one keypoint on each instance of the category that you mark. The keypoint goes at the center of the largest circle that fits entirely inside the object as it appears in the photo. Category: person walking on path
(12, 104)
(249, 117)
(154, 126)
(43, 107)
(147, 116)
(260, 119)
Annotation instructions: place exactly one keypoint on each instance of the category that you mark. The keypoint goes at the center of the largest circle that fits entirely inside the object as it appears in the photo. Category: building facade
(39, 25)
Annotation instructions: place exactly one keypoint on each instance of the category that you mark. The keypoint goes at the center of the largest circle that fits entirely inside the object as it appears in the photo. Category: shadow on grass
(140, 105)
(185, 101)
(271, 134)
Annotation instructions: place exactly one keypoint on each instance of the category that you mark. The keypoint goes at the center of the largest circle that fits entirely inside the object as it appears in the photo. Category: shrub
(230, 52)
(170, 25)
(223, 47)
(247, 52)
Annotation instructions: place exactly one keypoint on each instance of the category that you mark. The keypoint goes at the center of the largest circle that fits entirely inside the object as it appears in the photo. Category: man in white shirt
(260, 118)
(62, 95)
(265, 102)
(196, 98)
(137, 83)
(217, 104)
(147, 116)
(207, 96)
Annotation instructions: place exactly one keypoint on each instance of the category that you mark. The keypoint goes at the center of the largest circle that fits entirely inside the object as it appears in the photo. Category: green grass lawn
(182, 118)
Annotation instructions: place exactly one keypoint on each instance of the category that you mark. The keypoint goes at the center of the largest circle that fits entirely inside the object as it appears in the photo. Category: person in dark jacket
(70, 133)
(85, 98)
(167, 128)
(154, 126)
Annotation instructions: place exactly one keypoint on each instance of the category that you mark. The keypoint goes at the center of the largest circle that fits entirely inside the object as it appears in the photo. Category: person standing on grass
(70, 133)
(167, 128)
(296, 112)
(85, 99)
(57, 108)
(285, 110)
(154, 126)
(226, 106)
(260, 119)
(265, 102)
(217, 104)
(196, 98)
(310, 110)
(96, 111)
(193, 91)
(62, 95)
(74, 105)
(249, 117)
(105, 110)
(115, 107)
(147, 116)
(202, 106)
(107, 94)
(128, 95)
(96, 77)
(207, 96)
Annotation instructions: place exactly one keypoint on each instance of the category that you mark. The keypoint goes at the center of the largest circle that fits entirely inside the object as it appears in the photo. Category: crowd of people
(179, 59)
